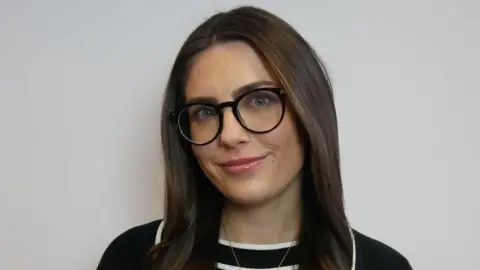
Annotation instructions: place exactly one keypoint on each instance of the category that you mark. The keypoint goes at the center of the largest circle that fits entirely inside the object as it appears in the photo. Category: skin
(263, 205)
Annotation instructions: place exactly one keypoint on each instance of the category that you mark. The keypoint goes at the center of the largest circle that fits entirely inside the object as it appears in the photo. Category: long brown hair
(193, 205)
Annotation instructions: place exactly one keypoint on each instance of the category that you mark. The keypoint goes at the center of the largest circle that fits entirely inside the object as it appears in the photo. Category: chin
(250, 197)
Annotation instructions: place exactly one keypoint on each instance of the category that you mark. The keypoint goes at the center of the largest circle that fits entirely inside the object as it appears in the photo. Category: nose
(232, 133)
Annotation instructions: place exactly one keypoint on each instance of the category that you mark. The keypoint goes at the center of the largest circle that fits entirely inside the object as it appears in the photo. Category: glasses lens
(199, 123)
(260, 111)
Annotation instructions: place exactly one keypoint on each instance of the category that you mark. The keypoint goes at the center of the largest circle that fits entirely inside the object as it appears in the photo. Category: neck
(275, 221)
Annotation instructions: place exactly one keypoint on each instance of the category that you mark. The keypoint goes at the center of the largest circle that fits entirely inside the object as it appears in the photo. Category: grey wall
(80, 93)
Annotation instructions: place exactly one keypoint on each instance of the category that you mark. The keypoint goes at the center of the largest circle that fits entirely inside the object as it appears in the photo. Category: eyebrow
(238, 92)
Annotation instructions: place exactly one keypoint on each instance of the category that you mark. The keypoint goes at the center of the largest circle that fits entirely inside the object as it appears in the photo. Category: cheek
(201, 153)
(284, 140)
(290, 153)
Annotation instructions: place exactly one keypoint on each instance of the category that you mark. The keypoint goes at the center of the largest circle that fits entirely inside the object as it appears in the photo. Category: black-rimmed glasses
(258, 111)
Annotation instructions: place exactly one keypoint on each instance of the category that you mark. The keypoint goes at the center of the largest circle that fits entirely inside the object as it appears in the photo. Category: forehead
(220, 70)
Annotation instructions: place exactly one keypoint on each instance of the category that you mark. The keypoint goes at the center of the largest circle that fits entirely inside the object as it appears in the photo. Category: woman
(250, 140)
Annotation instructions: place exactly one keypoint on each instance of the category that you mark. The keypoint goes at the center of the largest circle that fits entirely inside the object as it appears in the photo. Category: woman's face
(269, 162)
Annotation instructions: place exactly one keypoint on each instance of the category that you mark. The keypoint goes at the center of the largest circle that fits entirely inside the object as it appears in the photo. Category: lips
(241, 165)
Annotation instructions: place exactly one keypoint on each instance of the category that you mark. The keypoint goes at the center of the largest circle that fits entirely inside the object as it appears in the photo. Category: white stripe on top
(230, 267)
(158, 239)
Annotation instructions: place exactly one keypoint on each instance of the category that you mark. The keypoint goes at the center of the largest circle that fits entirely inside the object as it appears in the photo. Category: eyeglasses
(258, 111)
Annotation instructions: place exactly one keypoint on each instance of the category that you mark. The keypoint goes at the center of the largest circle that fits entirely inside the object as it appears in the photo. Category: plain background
(80, 95)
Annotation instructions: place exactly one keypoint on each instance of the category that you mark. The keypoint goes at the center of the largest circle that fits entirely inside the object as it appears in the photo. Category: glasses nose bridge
(223, 105)
(233, 105)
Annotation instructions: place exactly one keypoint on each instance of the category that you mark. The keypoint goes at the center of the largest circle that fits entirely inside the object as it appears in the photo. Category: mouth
(242, 165)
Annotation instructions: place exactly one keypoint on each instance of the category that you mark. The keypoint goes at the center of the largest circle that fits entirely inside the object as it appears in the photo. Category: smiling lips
(236, 166)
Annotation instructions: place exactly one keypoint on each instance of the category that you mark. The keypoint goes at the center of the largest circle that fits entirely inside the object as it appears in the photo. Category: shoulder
(375, 255)
(129, 249)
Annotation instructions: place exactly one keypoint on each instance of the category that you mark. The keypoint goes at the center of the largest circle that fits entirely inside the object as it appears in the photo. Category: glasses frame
(174, 116)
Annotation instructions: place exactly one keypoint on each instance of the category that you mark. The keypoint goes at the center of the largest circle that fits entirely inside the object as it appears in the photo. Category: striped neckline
(256, 256)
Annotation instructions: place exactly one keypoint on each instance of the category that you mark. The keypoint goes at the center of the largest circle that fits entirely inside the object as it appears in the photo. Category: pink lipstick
(241, 165)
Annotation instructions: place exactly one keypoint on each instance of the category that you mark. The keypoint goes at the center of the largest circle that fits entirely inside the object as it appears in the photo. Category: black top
(128, 252)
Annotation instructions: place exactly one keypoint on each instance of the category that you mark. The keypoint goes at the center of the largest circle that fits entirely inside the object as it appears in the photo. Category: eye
(202, 112)
(260, 101)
